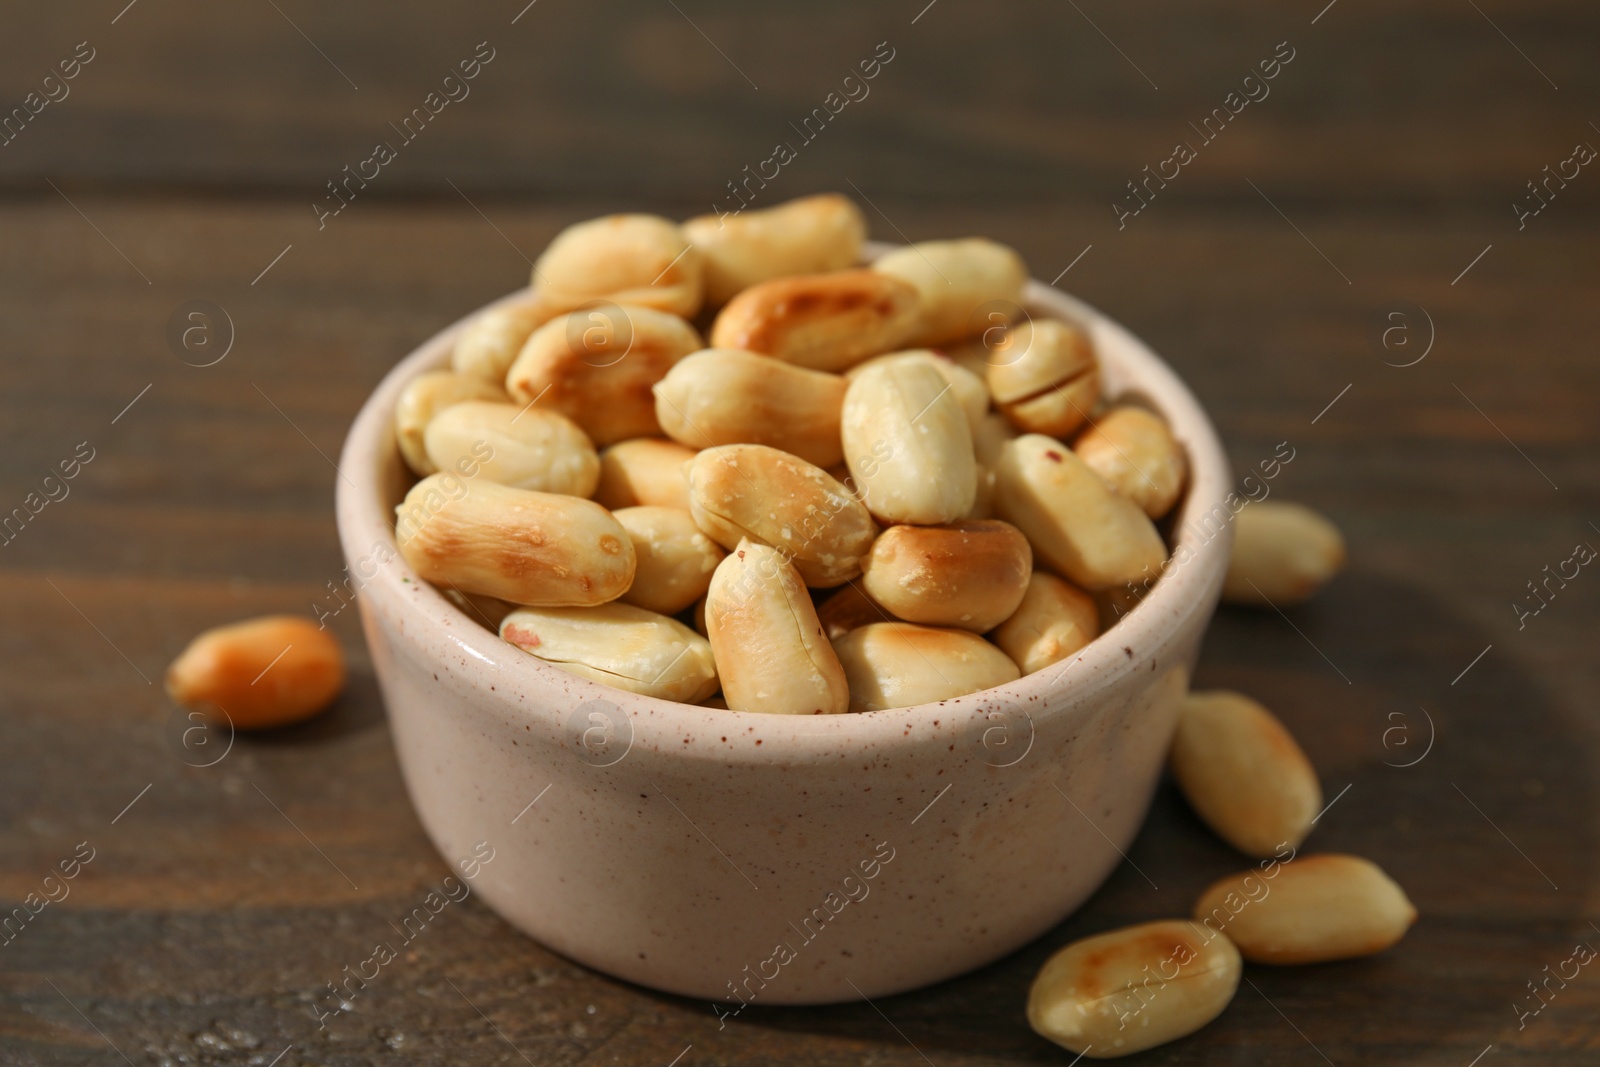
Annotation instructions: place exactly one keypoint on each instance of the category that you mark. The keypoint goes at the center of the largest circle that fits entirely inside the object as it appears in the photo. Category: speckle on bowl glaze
(784, 859)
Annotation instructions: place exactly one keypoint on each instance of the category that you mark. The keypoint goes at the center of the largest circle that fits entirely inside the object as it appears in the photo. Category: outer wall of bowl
(774, 859)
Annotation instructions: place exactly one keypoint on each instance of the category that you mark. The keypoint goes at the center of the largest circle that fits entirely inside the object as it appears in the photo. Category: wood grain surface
(1378, 176)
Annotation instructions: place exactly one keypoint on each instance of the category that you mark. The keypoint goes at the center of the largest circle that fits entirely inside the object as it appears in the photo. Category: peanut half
(1282, 554)
(898, 665)
(620, 645)
(1132, 450)
(908, 444)
(1053, 621)
(525, 448)
(1310, 910)
(969, 574)
(1077, 524)
(489, 343)
(676, 560)
(531, 548)
(822, 321)
(644, 470)
(970, 390)
(1243, 773)
(770, 649)
(726, 397)
(260, 673)
(424, 397)
(959, 282)
(773, 498)
(1131, 989)
(597, 367)
(804, 236)
(1044, 376)
(629, 259)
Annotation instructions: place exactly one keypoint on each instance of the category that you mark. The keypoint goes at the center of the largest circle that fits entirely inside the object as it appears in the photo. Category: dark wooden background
(1385, 160)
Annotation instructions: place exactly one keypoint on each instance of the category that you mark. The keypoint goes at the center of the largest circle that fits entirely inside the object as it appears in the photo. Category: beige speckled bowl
(768, 858)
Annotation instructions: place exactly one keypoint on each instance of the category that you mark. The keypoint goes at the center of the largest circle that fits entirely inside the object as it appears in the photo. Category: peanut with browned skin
(958, 281)
(1128, 990)
(770, 649)
(1054, 620)
(805, 236)
(1084, 529)
(969, 574)
(620, 645)
(424, 397)
(771, 497)
(597, 366)
(726, 397)
(628, 259)
(531, 548)
(644, 471)
(908, 444)
(899, 664)
(1282, 554)
(259, 673)
(1243, 773)
(822, 321)
(1310, 910)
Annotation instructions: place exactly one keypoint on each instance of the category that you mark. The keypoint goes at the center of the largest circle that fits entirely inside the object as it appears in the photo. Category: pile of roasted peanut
(1131, 989)
(810, 511)
(821, 512)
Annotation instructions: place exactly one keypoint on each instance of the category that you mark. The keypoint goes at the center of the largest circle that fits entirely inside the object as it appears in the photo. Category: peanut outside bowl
(783, 859)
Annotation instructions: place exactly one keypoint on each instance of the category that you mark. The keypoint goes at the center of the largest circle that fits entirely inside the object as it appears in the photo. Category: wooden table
(1376, 179)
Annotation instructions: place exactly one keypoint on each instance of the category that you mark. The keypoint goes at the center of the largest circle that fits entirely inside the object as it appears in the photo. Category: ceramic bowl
(775, 859)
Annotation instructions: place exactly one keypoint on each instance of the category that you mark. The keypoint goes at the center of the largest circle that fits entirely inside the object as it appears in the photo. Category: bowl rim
(365, 525)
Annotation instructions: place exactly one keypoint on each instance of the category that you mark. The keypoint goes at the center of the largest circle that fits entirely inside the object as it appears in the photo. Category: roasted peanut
(620, 645)
(675, 559)
(1134, 452)
(644, 471)
(822, 321)
(804, 236)
(773, 498)
(1282, 554)
(1044, 377)
(908, 444)
(1309, 910)
(727, 397)
(968, 388)
(1077, 524)
(770, 649)
(899, 664)
(489, 343)
(539, 549)
(629, 259)
(1053, 621)
(849, 609)
(424, 397)
(958, 281)
(525, 448)
(1131, 989)
(1243, 773)
(968, 574)
(597, 367)
(260, 673)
